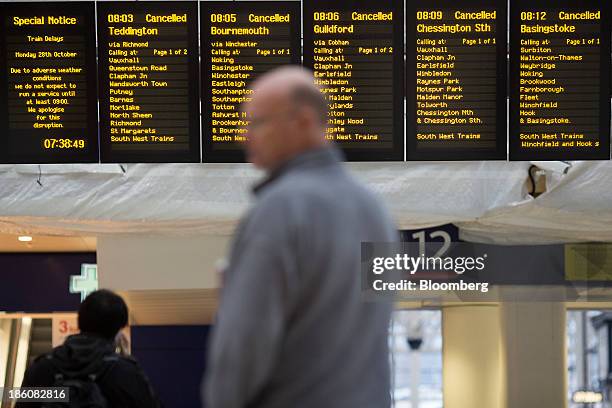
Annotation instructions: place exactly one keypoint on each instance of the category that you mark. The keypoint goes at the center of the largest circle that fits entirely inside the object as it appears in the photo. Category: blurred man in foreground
(292, 329)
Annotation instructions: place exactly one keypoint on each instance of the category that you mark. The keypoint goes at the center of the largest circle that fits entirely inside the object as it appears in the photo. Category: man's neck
(294, 155)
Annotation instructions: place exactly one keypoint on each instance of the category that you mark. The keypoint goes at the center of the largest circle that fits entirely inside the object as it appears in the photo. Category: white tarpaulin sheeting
(488, 200)
(576, 207)
(210, 198)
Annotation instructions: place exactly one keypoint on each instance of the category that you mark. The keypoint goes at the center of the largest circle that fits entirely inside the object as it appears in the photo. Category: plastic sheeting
(210, 198)
(488, 200)
(577, 207)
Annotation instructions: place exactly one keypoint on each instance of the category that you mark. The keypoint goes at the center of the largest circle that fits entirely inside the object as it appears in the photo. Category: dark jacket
(122, 381)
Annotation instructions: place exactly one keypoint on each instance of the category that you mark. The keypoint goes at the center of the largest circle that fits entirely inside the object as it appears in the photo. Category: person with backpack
(88, 365)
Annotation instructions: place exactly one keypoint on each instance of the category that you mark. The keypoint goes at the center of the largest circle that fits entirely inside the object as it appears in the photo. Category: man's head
(103, 313)
(288, 116)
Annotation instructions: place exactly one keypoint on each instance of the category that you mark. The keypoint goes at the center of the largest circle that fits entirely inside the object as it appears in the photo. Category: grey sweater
(292, 329)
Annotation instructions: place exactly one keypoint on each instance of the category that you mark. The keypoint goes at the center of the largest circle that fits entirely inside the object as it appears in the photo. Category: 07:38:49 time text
(50, 143)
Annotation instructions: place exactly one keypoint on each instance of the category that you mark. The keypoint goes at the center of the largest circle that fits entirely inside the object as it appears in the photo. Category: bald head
(296, 86)
(288, 116)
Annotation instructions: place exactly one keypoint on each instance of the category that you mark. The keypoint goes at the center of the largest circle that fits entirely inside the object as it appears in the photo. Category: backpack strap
(109, 363)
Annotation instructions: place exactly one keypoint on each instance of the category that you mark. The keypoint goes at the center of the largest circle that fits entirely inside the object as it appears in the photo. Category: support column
(5, 341)
(472, 363)
(534, 349)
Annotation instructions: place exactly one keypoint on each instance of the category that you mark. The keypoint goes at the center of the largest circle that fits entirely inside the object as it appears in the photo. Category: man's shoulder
(120, 371)
(291, 183)
(42, 367)
(312, 183)
(280, 195)
(126, 364)
(326, 189)
(45, 362)
(127, 361)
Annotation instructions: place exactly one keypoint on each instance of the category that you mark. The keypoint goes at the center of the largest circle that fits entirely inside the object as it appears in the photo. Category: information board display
(355, 49)
(456, 80)
(559, 80)
(48, 110)
(240, 40)
(148, 81)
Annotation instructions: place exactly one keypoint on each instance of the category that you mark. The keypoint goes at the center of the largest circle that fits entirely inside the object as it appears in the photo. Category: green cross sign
(86, 282)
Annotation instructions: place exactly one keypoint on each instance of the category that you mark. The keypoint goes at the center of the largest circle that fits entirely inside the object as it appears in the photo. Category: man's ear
(306, 116)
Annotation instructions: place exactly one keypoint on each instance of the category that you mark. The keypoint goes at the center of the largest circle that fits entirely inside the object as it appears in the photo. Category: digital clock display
(63, 144)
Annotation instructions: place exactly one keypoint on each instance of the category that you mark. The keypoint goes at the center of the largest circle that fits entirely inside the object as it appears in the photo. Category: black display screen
(456, 80)
(48, 110)
(355, 49)
(240, 40)
(148, 79)
(559, 80)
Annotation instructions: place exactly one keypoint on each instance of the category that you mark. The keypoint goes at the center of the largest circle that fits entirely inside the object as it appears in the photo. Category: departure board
(560, 80)
(456, 80)
(148, 81)
(355, 49)
(240, 40)
(48, 110)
